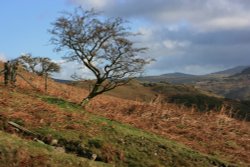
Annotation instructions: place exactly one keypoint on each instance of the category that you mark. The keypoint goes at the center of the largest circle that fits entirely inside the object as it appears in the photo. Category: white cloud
(146, 32)
(97, 4)
(201, 69)
(222, 13)
(225, 23)
(194, 36)
(69, 68)
(2, 57)
(172, 44)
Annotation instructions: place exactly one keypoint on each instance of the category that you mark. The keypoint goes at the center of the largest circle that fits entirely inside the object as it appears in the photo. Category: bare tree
(103, 47)
(47, 67)
(28, 62)
(42, 66)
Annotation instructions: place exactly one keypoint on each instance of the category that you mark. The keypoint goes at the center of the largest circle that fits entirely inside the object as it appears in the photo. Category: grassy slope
(136, 90)
(211, 133)
(17, 152)
(178, 94)
(126, 91)
(113, 142)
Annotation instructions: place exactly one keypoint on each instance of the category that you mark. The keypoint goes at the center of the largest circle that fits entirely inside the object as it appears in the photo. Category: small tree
(42, 66)
(29, 63)
(103, 47)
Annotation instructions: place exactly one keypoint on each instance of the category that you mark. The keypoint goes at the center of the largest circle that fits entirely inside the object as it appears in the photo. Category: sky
(189, 36)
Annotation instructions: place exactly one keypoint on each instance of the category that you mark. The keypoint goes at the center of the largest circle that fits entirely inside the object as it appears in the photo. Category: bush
(239, 109)
(95, 143)
(201, 102)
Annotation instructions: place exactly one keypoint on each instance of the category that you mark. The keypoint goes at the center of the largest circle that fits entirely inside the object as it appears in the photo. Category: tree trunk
(6, 73)
(86, 100)
(94, 92)
(46, 83)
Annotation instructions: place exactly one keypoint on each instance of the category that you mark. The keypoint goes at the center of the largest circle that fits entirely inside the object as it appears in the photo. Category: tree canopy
(104, 46)
(38, 65)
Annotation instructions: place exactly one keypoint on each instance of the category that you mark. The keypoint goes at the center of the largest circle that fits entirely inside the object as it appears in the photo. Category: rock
(48, 139)
(54, 142)
(39, 141)
(94, 156)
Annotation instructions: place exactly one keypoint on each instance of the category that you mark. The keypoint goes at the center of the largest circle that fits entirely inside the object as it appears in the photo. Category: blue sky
(24, 25)
(187, 36)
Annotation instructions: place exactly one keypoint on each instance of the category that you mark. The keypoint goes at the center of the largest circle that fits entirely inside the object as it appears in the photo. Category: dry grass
(214, 133)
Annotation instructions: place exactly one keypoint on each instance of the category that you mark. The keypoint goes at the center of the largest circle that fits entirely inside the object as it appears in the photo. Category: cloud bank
(67, 68)
(192, 36)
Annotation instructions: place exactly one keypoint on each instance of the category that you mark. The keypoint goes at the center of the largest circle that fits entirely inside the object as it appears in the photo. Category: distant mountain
(182, 78)
(246, 71)
(176, 75)
(233, 86)
(231, 83)
(171, 78)
(62, 80)
(231, 71)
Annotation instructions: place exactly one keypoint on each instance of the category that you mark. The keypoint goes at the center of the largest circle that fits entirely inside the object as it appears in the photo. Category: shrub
(201, 102)
(95, 143)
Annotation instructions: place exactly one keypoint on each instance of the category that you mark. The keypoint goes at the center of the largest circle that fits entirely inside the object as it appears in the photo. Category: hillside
(83, 134)
(231, 71)
(108, 128)
(246, 71)
(233, 87)
(18, 152)
(176, 78)
(146, 91)
(231, 83)
(182, 78)
(142, 93)
(186, 95)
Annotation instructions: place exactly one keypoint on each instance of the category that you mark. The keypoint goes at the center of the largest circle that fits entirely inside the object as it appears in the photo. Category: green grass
(123, 145)
(69, 106)
(16, 152)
